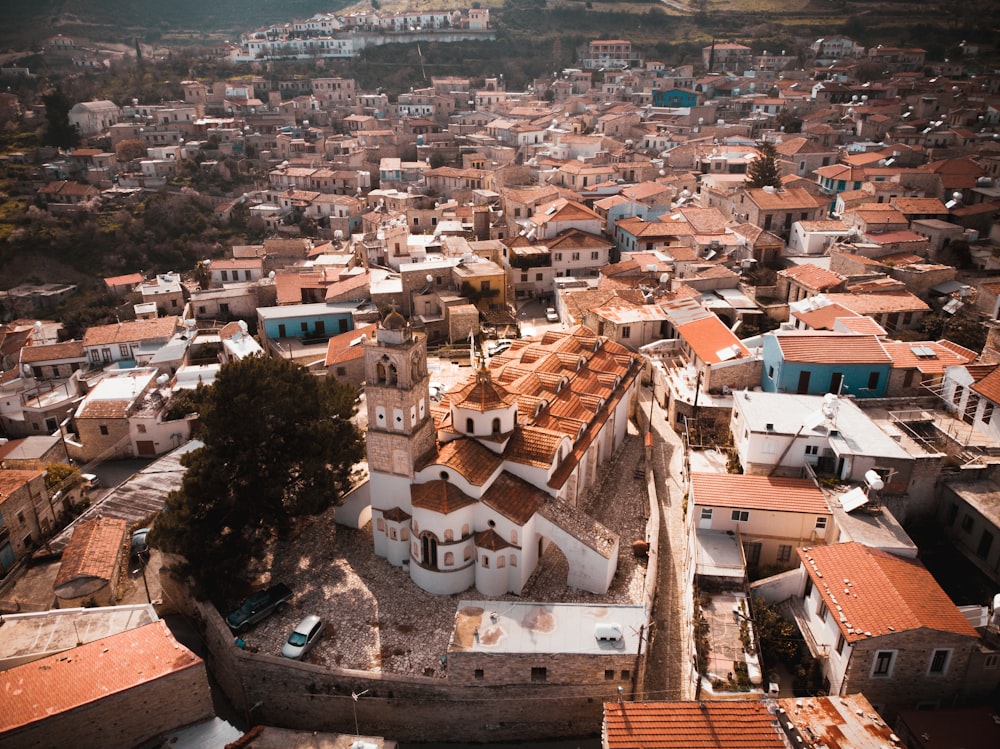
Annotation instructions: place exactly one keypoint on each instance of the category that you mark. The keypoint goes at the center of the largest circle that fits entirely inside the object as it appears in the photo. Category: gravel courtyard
(377, 619)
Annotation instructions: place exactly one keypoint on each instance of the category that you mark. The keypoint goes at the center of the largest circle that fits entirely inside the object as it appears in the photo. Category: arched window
(470, 426)
(467, 554)
(486, 562)
(496, 426)
(405, 535)
(513, 560)
(449, 559)
(465, 530)
(380, 372)
(513, 536)
(500, 561)
(393, 376)
(449, 535)
(380, 524)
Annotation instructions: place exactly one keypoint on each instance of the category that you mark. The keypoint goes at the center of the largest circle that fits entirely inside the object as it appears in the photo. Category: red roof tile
(690, 725)
(41, 689)
(883, 593)
(757, 493)
(832, 348)
(439, 496)
(514, 498)
(92, 552)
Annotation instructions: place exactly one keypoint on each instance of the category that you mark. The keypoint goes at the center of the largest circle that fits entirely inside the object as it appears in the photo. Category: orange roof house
(886, 626)
(91, 561)
(83, 696)
(691, 725)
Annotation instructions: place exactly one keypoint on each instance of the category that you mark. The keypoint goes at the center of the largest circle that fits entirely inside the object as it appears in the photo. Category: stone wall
(909, 683)
(276, 691)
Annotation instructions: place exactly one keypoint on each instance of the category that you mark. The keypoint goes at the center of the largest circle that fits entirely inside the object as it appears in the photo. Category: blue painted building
(675, 97)
(818, 363)
(306, 322)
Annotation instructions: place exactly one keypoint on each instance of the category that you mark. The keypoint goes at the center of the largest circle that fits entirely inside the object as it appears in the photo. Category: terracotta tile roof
(469, 458)
(482, 394)
(571, 239)
(793, 198)
(757, 493)
(396, 515)
(708, 337)
(832, 348)
(534, 446)
(919, 205)
(66, 681)
(705, 220)
(110, 409)
(884, 594)
(247, 263)
(514, 498)
(988, 385)
(132, 330)
(93, 551)
(12, 479)
(859, 324)
(341, 348)
(639, 227)
(439, 496)
(824, 318)
(865, 304)
(813, 277)
(131, 279)
(691, 725)
(563, 210)
(52, 352)
(490, 540)
(937, 357)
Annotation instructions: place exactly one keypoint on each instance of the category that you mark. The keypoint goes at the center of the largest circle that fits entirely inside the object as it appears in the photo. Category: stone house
(881, 625)
(100, 694)
(27, 515)
(92, 563)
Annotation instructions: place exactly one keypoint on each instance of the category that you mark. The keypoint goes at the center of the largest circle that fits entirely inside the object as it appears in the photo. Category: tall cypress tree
(764, 171)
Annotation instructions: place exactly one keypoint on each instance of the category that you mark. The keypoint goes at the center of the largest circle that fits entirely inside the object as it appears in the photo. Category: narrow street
(671, 648)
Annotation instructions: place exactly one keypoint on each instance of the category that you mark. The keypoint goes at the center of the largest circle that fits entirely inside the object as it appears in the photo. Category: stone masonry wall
(124, 719)
(909, 683)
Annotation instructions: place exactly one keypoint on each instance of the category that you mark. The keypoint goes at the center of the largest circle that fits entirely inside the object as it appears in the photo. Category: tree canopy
(278, 443)
(764, 171)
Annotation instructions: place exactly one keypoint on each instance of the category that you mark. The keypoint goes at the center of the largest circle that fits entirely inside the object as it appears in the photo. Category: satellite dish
(430, 278)
(162, 380)
(243, 325)
(271, 274)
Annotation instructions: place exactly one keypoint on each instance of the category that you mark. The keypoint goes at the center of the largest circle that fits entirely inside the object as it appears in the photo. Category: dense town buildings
(781, 325)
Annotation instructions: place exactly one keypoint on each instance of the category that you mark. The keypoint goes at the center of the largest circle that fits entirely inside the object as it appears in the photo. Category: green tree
(779, 639)
(764, 171)
(278, 443)
(57, 474)
(964, 328)
(58, 130)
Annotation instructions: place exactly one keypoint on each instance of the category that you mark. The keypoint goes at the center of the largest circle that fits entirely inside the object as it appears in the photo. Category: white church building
(470, 491)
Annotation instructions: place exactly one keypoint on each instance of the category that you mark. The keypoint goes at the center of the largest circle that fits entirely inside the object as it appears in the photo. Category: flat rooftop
(514, 627)
(28, 637)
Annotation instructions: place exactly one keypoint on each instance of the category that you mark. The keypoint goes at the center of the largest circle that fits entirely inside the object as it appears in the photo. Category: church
(470, 491)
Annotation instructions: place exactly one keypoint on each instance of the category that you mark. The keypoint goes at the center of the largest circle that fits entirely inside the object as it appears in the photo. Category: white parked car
(498, 346)
(551, 315)
(306, 634)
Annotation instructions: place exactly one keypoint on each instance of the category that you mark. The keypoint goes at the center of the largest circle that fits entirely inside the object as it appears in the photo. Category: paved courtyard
(378, 619)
